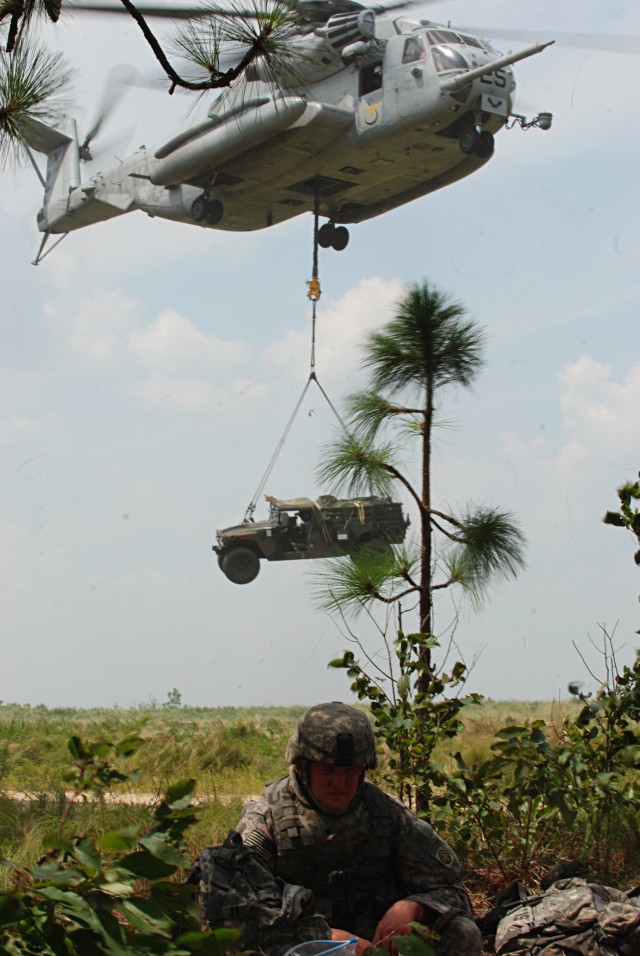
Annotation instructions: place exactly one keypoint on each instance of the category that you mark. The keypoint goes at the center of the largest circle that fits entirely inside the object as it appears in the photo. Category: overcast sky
(147, 370)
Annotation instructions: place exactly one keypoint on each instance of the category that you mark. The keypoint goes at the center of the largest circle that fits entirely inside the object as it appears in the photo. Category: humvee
(300, 528)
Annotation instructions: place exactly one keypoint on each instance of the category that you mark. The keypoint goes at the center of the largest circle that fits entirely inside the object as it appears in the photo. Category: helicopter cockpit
(444, 45)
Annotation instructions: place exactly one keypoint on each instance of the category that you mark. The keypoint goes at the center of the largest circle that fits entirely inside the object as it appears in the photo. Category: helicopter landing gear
(476, 142)
(331, 236)
(209, 209)
(485, 145)
(467, 142)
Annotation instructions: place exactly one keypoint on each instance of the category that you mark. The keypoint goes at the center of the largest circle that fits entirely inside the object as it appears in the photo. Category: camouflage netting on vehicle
(573, 917)
(236, 891)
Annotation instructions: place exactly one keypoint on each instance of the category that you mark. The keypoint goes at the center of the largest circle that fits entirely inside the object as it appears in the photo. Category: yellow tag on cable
(313, 286)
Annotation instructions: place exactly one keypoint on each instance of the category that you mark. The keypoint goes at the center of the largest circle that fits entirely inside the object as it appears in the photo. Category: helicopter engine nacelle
(345, 29)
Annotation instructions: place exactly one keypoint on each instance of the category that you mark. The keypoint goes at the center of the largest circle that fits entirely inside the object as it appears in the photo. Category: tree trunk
(426, 605)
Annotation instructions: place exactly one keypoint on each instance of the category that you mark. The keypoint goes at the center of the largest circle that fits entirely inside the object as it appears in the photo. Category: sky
(147, 371)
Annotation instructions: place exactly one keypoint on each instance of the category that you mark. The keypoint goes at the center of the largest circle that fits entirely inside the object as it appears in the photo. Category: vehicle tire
(485, 144)
(241, 565)
(468, 141)
(214, 212)
(325, 235)
(199, 209)
(340, 238)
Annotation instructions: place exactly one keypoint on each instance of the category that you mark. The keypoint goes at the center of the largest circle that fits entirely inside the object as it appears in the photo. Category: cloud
(184, 367)
(598, 413)
(16, 428)
(172, 341)
(340, 329)
(189, 394)
(98, 326)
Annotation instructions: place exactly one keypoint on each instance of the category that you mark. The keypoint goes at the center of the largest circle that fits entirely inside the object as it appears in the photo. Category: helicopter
(384, 109)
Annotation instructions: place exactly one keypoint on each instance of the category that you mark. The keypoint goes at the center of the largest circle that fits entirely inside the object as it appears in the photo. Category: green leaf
(120, 839)
(412, 945)
(54, 873)
(11, 909)
(219, 941)
(145, 865)
(146, 916)
(179, 794)
(630, 756)
(614, 518)
(162, 850)
(78, 749)
(87, 855)
(128, 745)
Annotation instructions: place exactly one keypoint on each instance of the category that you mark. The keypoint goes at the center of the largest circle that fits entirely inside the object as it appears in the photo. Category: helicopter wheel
(485, 144)
(468, 141)
(331, 236)
(199, 209)
(325, 235)
(340, 238)
(214, 212)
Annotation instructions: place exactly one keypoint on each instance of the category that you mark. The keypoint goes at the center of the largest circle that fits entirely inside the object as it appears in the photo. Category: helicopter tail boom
(60, 145)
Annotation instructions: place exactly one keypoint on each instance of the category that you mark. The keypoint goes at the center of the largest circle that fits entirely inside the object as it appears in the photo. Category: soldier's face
(335, 787)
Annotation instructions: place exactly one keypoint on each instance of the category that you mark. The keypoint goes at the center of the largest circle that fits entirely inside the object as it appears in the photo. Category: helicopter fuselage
(367, 125)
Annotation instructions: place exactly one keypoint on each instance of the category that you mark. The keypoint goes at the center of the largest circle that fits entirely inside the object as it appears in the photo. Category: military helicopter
(384, 109)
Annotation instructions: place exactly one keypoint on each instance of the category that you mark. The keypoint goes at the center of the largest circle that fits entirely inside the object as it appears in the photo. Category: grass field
(230, 752)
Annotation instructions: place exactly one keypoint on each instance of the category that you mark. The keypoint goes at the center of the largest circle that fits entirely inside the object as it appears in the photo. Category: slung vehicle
(381, 111)
(300, 528)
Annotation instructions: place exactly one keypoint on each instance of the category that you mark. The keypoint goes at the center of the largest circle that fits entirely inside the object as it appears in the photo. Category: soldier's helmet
(333, 733)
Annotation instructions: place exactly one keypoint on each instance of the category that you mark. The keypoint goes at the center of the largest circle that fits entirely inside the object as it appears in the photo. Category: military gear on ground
(236, 891)
(574, 916)
(360, 863)
(335, 734)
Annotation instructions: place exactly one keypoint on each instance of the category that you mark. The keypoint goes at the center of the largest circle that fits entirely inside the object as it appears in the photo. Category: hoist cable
(313, 294)
(330, 404)
(274, 457)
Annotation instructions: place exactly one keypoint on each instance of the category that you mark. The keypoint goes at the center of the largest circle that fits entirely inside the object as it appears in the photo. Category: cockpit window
(413, 50)
(472, 41)
(443, 36)
(447, 59)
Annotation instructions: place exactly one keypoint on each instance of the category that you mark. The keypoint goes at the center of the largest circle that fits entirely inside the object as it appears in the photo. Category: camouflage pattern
(359, 863)
(336, 734)
(236, 891)
(458, 936)
(574, 917)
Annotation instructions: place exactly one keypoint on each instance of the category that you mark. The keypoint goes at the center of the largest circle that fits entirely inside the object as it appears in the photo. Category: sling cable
(313, 294)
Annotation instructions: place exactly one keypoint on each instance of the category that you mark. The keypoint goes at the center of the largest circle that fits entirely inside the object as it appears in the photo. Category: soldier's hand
(395, 923)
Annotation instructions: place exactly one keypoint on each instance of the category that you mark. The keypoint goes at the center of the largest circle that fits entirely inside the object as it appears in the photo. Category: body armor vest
(347, 860)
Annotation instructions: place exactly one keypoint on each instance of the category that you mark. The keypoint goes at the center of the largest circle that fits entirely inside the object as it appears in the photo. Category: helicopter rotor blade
(320, 10)
(615, 43)
(310, 10)
(181, 12)
(118, 79)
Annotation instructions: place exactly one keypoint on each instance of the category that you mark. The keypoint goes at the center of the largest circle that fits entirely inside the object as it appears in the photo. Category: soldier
(372, 866)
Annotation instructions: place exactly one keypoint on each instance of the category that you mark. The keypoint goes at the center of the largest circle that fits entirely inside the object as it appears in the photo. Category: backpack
(237, 891)
(574, 917)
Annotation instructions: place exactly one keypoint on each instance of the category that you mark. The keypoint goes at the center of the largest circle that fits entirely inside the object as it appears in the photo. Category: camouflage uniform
(573, 916)
(357, 863)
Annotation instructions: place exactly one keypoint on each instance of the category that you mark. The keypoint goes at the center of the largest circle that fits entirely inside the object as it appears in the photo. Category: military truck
(300, 528)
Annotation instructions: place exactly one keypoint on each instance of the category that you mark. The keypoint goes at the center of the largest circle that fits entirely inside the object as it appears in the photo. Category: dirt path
(129, 798)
